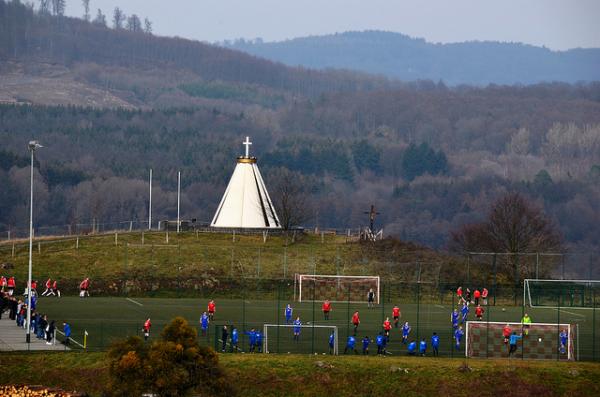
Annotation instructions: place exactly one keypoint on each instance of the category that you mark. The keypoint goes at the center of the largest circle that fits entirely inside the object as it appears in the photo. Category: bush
(175, 365)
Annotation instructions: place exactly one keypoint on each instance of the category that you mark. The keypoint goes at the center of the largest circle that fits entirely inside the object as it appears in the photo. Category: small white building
(246, 203)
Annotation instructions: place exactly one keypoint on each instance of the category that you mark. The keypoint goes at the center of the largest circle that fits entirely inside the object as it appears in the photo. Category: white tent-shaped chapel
(246, 203)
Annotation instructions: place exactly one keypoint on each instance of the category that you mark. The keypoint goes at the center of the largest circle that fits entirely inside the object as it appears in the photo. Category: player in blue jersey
(454, 319)
(251, 339)
(331, 341)
(564, 340)
(380, 342)
(464, 312)
(234, 339)
(458, 334)
(514, 339)
(297, 327)
(422, 347)
(405, 332)
(435, 344)
(350, 343)
(204, 320)
(288, 314)
(258, 341)
(365, 344)
(412, 348)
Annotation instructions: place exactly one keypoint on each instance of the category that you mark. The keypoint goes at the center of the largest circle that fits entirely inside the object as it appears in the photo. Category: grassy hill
(189, 255)
(341, 376)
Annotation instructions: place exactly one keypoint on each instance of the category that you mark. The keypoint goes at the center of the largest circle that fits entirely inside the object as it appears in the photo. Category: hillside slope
(126, 63)
(401, 57)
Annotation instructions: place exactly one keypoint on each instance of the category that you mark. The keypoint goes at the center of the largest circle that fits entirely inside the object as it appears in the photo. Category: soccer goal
(485, 339)
(335, 288)
(278, 337)
(574, 294)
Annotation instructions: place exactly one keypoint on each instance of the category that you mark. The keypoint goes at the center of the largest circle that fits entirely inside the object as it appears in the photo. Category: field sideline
(108, 318)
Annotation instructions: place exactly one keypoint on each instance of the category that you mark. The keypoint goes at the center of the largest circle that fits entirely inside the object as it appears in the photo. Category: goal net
(354, 289)
(279, 338)
(539, 340)
(575, 294)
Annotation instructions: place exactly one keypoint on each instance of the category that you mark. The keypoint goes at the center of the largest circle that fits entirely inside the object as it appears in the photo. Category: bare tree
(45, 7)
(100, 19)
(86, 9)
(290, 198)
(514, 225)
(58, 7)
(134, 23)
(118, 18)
(147, 26)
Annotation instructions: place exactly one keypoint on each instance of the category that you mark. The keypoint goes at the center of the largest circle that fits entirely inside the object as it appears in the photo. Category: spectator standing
(67, 332)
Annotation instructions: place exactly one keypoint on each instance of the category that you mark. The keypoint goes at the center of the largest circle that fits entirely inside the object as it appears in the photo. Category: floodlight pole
(178, 197)
(32, 146)
(150, 204)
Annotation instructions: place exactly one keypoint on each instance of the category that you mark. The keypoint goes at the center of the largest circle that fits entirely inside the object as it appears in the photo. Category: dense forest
(402, 57)
(431, 158)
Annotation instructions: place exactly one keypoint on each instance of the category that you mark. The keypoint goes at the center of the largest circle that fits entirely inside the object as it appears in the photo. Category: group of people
(8, 285)
(40, 326)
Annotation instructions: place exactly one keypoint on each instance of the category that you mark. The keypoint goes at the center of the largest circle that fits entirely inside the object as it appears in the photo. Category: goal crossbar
(302, 278)
(303, 326)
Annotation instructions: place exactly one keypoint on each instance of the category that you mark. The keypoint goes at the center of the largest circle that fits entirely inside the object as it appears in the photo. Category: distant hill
(402, 57)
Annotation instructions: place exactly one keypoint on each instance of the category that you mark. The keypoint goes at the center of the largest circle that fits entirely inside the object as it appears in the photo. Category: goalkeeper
(526, 321)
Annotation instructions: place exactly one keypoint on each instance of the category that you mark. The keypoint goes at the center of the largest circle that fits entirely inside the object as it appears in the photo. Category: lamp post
(33, 145)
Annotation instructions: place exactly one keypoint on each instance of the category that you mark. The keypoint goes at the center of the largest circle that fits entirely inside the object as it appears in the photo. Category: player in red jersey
(506, 331)
(84, 288)
(387, 326)
(484, 296)
(476, 296)
(2, 283)
(48, 287)
(396, 315)
(211, 309)
(459, 294)
(10, 284)
(355, 321)
(55, 289)
(326, 309)
(479, 312)
(146, 329)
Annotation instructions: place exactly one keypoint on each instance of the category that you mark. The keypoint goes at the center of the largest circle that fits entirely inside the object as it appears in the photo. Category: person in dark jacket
(50, 332)
(224, 336)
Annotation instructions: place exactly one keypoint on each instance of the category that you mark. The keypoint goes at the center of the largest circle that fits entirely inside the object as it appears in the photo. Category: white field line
(133, 301)
(566, 311)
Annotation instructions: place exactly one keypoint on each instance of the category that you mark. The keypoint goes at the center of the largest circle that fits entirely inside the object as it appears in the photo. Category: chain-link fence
(547, 321)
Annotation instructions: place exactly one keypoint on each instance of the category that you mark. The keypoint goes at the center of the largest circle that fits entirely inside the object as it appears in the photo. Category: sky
(556, 24)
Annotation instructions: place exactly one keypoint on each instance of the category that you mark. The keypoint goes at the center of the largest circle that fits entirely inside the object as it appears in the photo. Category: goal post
(555, 294)
(485, 339)
(353, 289)
(314, 337)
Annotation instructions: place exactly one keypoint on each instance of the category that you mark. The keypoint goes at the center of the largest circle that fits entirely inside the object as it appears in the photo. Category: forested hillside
(402, 57)
(430, 158)
(142, 69)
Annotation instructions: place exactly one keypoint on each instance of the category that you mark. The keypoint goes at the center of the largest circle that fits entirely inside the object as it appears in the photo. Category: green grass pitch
(106, 319)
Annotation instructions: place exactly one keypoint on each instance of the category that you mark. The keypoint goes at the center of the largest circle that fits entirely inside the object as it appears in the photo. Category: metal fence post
(495, 278)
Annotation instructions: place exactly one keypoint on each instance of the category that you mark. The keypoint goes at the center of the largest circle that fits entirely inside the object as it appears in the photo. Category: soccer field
(106, 319)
